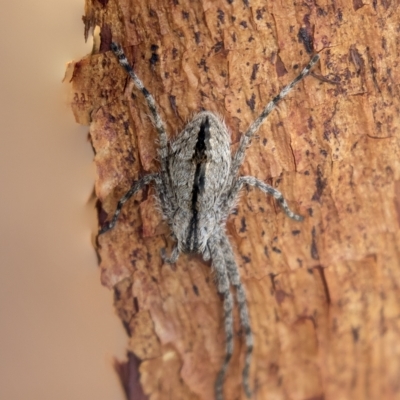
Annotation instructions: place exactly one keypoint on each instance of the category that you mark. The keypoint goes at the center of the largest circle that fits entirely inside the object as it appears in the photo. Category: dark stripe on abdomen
(199, 159)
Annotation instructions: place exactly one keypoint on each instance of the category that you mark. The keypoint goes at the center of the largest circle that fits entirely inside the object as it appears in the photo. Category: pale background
(58, 331)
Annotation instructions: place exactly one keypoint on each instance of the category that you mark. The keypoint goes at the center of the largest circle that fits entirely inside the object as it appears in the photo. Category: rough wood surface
(323, 294)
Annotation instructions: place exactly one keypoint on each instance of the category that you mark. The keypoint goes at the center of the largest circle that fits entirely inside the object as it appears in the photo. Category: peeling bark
(323, 294)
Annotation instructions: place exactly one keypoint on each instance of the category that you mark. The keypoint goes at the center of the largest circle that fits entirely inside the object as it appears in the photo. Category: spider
(197, 187)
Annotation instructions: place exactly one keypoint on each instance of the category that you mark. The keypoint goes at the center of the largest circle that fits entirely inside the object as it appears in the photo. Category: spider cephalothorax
(197, 188)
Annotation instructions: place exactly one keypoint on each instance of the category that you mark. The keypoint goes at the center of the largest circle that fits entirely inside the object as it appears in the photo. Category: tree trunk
(323, 294)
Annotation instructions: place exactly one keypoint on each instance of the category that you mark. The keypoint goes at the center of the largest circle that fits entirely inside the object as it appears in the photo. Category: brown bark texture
(323, 294)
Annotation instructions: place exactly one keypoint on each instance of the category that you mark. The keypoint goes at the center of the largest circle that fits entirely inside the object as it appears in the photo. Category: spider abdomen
(199, 165)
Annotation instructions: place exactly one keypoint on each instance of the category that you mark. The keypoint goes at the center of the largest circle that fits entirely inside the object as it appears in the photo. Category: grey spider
(197, 188)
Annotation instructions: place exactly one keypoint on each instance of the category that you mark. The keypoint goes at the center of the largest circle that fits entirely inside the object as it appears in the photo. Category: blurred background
(58, 331)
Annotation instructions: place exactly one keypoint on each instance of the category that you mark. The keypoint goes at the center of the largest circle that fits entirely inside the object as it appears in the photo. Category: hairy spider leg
(134, 188)
(235, 281)
(223, 286)
(173, 258)
(157, 120)
(268, 189)
(119, 53)
(245, 139)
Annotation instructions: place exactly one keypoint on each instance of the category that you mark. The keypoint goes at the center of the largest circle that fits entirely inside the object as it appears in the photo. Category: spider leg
(245, 139)
(222, 280)
(165, 183)
(119, 53)
(207, 253)
(134, 188)
(234, 277)
(252, 181)
(172, 258)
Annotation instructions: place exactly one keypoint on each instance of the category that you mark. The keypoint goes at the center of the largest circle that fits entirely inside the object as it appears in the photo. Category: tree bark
(323, 294)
